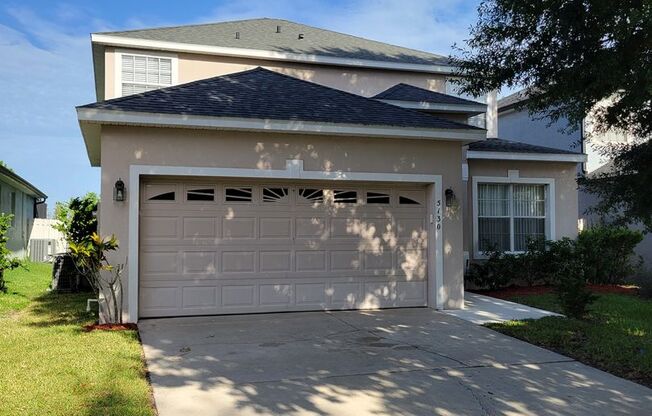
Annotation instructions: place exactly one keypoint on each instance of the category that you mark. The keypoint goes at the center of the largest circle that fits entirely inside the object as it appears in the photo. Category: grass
(23, 285)
(49, 365)
(616, 337)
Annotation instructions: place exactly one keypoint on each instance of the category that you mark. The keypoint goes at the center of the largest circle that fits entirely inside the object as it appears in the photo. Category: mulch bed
(110, 327)
(511, 292)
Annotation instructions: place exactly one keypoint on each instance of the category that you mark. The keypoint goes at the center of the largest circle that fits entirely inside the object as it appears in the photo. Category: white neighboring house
(514, 123)
(45, 240)
(25, 202)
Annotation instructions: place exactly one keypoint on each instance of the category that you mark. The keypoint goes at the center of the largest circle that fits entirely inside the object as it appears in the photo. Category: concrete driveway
(398, 361)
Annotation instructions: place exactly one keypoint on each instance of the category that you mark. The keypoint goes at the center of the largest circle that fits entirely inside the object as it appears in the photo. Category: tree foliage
(575, 57)
(77, 217)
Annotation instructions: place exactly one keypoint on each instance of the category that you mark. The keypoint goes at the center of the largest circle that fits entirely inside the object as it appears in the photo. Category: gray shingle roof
(261, 34)
(405, 92)
(512, 100)
(263, 94)
(9, 176)
(508, 146)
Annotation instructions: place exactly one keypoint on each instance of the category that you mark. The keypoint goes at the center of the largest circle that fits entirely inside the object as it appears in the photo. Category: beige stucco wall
(361, 81)
(566, 199)
(124, 146)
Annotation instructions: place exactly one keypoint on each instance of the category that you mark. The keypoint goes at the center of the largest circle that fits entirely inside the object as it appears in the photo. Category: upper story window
(141, 73)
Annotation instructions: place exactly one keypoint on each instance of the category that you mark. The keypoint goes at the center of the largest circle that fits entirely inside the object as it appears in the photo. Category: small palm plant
(90, 258)
(7, 261)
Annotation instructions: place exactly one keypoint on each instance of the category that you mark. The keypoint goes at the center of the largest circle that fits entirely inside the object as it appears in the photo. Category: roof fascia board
(263, 54)
(538, 157)
(449, 108)
(291, 126)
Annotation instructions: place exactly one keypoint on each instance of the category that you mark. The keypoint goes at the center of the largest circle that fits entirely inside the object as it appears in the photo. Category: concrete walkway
(480, 310)
(398, 361)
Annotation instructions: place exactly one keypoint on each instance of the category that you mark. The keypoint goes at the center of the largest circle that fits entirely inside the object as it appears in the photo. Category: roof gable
(405, 92)
(263, 94)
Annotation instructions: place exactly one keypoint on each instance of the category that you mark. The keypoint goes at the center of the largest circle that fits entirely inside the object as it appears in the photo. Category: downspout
(37, 202)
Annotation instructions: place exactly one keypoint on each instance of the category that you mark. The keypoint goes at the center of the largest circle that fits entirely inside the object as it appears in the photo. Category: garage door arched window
(238, 194)
(275, 194)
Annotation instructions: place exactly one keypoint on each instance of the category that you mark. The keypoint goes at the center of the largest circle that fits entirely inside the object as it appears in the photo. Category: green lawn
(48, 365)
(617, 337)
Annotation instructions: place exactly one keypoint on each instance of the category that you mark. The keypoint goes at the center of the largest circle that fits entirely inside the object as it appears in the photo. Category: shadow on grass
(57, 309)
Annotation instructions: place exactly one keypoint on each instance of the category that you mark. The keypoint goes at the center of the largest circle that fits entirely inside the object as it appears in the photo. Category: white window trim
(513, 178)
(117, 68)
(436, 296)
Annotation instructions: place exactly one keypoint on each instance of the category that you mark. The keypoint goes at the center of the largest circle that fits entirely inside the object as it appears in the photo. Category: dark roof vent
(278, 29)
(300, 35)
(237, 35)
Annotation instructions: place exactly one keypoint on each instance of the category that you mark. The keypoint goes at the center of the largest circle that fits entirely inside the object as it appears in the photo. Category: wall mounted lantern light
(119, 191)
(450, 197)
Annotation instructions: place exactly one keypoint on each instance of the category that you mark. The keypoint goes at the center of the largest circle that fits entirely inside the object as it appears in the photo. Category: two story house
(264, 165)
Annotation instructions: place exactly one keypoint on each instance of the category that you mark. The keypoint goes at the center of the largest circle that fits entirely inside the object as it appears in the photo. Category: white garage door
(236, 247)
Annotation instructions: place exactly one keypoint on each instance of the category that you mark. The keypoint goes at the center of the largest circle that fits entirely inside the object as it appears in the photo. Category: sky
(46, 67)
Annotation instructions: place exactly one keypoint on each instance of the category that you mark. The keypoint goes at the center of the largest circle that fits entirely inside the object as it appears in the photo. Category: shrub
(643, 279)
(489, 273)
(501, 269)
(90, 257)
(567, 269)
(608, 253)
(7, 261)
(77, 217)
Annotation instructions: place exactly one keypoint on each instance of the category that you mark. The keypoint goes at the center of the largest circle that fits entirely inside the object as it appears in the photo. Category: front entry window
(509, 215)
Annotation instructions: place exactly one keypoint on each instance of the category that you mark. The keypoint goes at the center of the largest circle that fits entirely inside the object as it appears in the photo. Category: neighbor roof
(261, 34)
(508, 146)
(512, 100)
(9, 176)
(263, 94)
(405, 92)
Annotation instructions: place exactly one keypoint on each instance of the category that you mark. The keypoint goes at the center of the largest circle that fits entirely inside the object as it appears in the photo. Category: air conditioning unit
(41, 249)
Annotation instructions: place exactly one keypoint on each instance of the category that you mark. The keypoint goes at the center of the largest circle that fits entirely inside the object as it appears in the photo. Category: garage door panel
(310, 261)
(380, 259)
(276, 261)
(159, 228)
(278, 250)
(311, 294)
(238, 261)
(345, 260)
(345, 294)
(200, 297)
(234, 296)
(275, 228)
(311, 227)
(199, 262)
(275, 294)
(199, 228)
(161, 262)
(238, 228)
